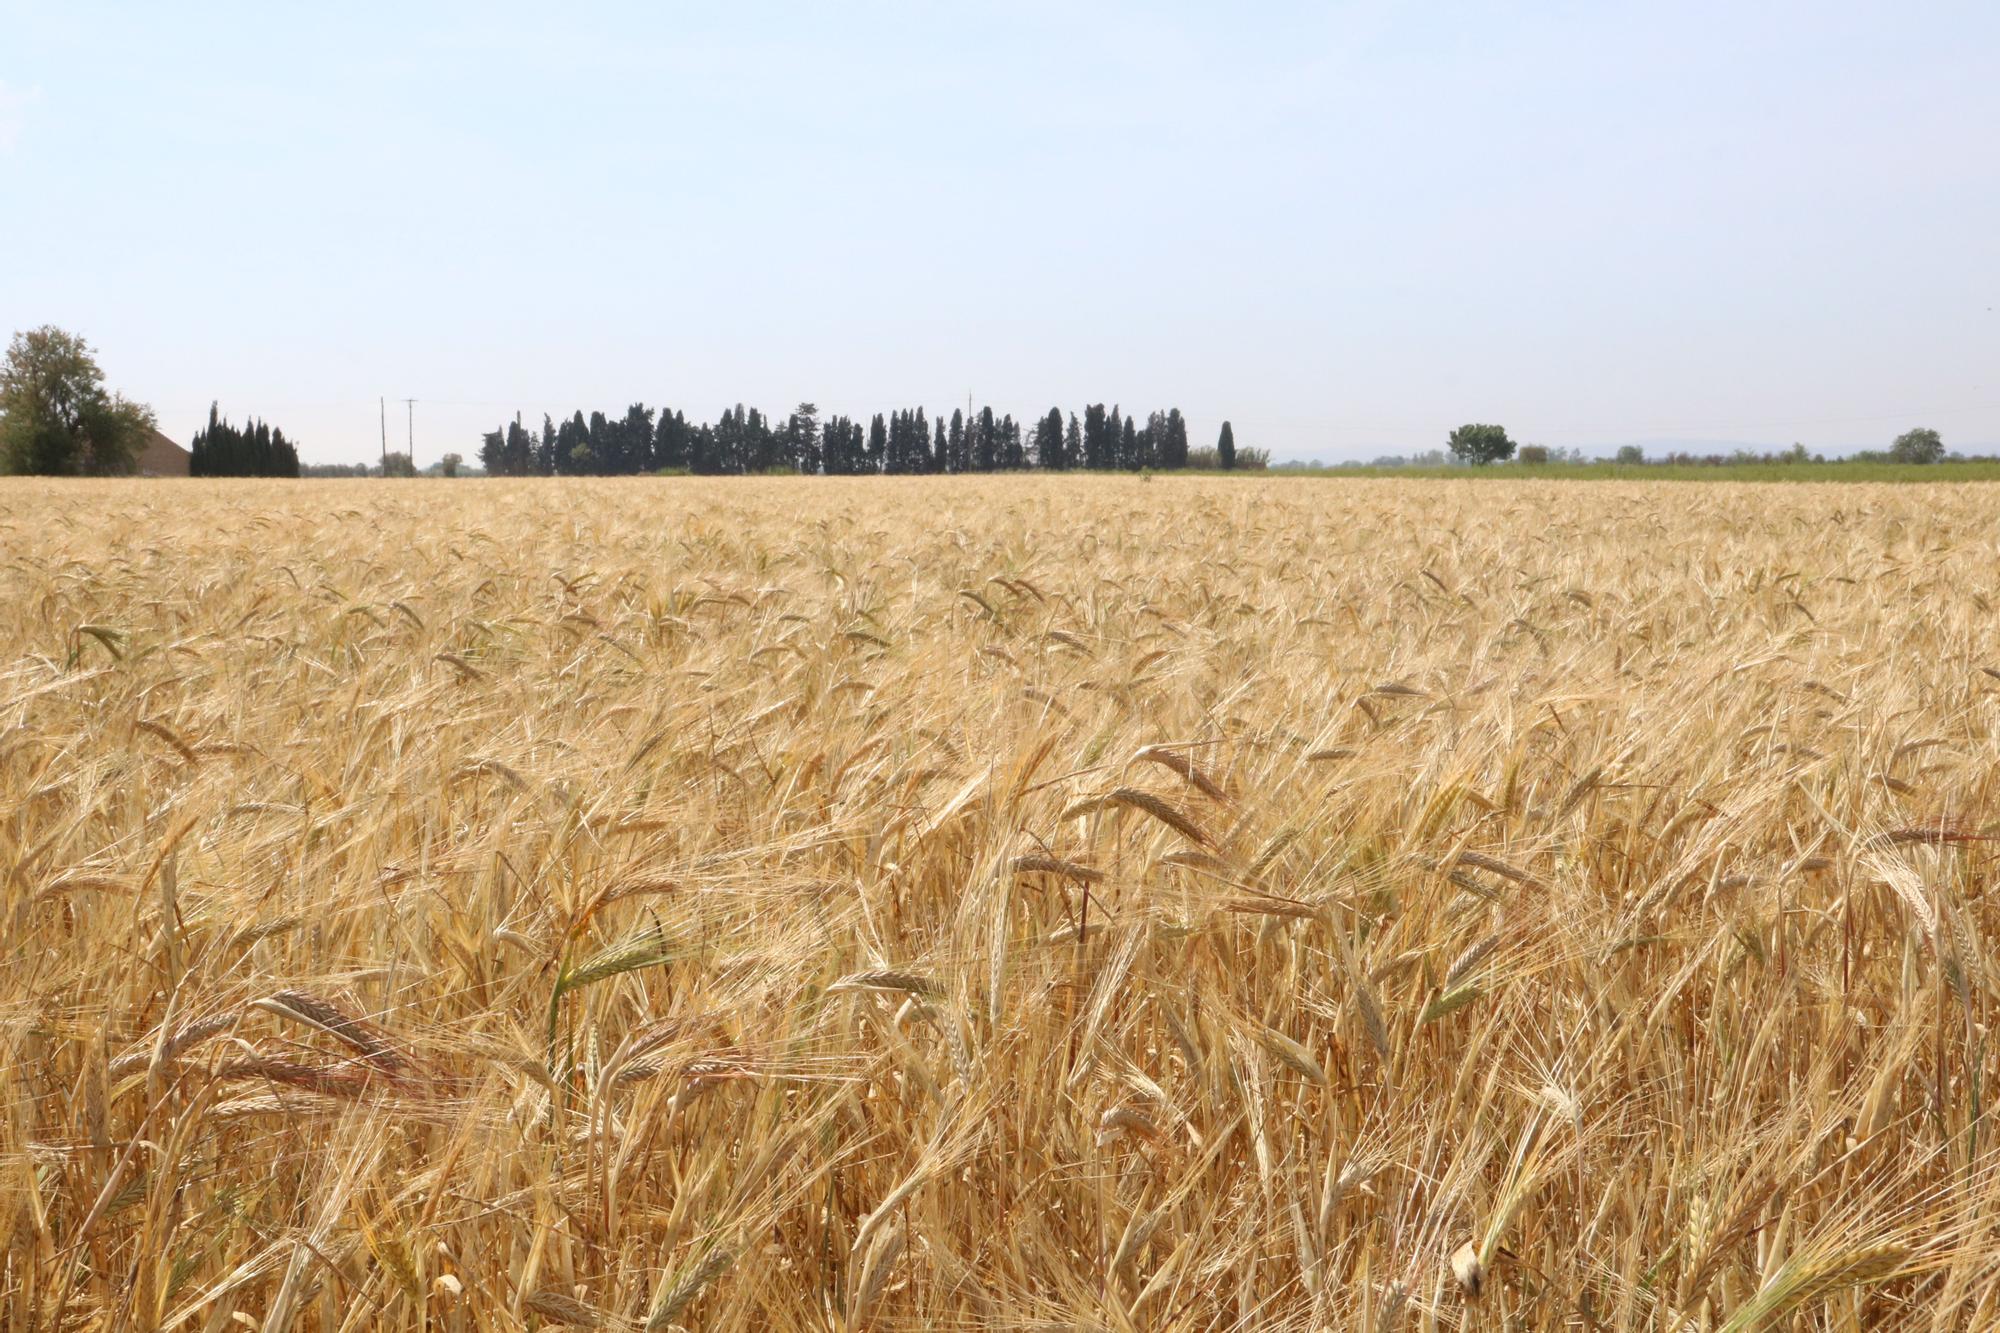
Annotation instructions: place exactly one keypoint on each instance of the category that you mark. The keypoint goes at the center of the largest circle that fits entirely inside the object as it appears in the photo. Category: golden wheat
(998, 903)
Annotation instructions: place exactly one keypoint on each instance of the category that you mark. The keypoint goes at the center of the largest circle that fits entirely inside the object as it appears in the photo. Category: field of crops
(1006, 903)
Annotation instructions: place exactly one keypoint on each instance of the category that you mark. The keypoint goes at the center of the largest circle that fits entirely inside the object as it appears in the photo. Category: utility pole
(383, 403)
(411, 403)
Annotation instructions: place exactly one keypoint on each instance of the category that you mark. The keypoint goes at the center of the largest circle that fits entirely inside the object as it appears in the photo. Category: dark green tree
(985, 442)
(1174, 444)
(1048, 442)
(878, 443)
(545, 448)
(1922, 445)
(1225, 448)
(959, 456)
(221, 450)
(1480, 444)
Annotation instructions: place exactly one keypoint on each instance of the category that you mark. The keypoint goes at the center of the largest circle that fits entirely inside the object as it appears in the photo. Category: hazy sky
(1348, 227)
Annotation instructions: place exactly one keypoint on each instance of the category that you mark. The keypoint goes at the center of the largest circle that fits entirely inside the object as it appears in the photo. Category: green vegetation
(1480, 444)
(221, 450)
(745, 442)
(56, 418)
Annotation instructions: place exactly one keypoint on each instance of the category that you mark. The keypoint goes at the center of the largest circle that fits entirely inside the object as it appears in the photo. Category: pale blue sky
(1348, 227)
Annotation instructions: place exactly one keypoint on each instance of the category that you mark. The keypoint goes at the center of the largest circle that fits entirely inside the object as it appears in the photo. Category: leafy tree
(1922, 445)
(940, 449)
(1128, 448)
(56, 417)
(1480, 445)
(1631, 454)
(1533, 455)
(397, 465)
(450, 464)
(1225, 447)
(1073, 443)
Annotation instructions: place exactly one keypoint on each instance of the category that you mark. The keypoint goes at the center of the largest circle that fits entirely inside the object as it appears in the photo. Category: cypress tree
(1073, 444)
(878, 443)
(1174, 453)
(1048, 445)
(984, 447)
(1225, 448)
(1096, 438)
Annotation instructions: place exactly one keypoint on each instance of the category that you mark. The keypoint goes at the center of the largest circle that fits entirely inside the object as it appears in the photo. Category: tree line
(221, 450)
(903, 443)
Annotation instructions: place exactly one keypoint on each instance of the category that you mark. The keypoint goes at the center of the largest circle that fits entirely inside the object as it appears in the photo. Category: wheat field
(1012, 903)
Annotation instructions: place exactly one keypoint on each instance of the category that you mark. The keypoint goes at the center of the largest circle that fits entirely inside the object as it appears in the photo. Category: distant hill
(1703, 448)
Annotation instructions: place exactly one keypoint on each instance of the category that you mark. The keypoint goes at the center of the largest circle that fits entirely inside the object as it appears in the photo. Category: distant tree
(545, 447)
(940, 449)
(1048, 443)
(1128, 448)
(1154, 441)
(1533, 455)
(1173, 444)
(56, 417)
(632, 441)
(1072, 443)
(450, 464)
(1225, 448)
(1922, 445)
(878, 443)
(671, 440)
(397, 465)
(1013, 457)
(985, 442)
(1480, 444)
(572, 447)
(221, 450)
(1098, 447)
(955, 457)
(802, 437)
(493, 452)
(1631, 454)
